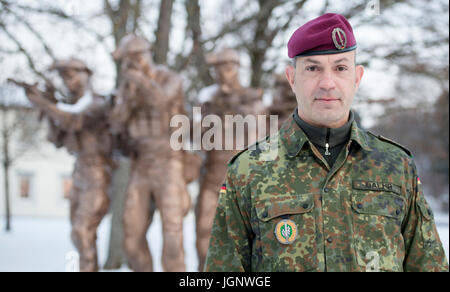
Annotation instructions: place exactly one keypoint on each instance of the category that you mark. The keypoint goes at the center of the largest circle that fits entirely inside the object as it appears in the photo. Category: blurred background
(404, 95)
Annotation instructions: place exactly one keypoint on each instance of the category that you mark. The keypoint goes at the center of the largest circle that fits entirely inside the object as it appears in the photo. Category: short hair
(294, 61)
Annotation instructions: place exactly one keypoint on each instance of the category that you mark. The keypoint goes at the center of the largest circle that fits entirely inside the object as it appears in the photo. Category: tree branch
(34, 32)
(31, 63)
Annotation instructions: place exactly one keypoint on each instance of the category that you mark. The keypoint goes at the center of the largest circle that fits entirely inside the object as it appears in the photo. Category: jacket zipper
(327, 140)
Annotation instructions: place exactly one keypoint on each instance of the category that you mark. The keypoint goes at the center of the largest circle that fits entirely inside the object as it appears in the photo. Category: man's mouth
(327, 99)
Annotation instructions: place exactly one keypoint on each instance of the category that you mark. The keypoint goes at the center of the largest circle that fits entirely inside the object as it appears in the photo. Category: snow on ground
(43, 244)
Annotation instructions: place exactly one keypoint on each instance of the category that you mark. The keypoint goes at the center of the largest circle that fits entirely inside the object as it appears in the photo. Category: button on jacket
(283, 209)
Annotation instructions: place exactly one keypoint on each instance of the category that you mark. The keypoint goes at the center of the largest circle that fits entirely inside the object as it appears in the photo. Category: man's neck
(321, 135)
(332, 125)
(329, 141)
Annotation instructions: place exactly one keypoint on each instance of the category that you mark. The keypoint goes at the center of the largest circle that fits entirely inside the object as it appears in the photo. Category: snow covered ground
(43, 244)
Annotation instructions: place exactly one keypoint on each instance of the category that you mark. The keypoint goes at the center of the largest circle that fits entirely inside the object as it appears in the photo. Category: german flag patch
(223, 189)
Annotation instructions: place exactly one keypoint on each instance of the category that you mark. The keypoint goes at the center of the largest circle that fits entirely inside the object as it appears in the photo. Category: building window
(25, 185)
(67, 186)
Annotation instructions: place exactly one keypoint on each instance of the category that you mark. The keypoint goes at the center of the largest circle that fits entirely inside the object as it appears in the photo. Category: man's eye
(342, 68)
(311, 68)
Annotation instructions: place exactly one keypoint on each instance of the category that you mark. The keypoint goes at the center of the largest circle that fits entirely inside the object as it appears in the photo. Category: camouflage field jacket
(282, 209)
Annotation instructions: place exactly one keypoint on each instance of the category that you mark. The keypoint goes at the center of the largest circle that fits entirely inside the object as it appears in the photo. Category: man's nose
(327, 81)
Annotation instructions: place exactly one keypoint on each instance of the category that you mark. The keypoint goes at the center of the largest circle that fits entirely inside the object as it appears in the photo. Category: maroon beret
(330, 33)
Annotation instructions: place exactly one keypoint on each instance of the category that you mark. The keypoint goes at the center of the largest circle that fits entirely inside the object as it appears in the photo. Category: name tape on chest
(376, 186)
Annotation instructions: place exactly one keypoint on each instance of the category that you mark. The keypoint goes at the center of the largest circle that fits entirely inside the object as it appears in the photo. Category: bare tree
(199, 76)
(15, 14)
(163, 32)
(18, 135)
(124, 18)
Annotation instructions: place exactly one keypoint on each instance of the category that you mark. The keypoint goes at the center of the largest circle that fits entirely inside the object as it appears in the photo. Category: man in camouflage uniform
(227, 97)
(148, 97)
(80, 125)
(323, 194)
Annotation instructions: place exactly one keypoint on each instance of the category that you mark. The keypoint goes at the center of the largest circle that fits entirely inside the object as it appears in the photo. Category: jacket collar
(293, 138)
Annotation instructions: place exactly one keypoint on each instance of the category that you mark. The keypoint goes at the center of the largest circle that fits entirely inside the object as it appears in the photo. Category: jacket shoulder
(233, 159)
(250, 151)
(242, 153)
(391, 142)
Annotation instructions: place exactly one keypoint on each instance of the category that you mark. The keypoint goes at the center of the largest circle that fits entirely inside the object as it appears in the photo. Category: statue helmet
(223, 56)
(72, 63)
(131, 44)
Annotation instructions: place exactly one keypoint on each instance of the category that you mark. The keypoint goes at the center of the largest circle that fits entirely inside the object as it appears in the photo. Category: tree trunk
(118, 189)
(119, 19)
(261, 41)
(6, 165)
(198, 52)
(162, 33)
(127, 12)
(7, 201)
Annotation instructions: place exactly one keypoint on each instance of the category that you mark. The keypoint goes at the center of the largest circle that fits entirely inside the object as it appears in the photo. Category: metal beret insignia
(339, 38)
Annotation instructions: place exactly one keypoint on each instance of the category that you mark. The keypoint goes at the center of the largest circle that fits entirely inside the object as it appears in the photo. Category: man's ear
(290, 75)
(359, 70)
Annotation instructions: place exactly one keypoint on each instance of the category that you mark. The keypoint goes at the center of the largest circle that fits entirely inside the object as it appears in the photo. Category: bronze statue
(284, 100)
(80, 125)
(229, 98)
(149, 95)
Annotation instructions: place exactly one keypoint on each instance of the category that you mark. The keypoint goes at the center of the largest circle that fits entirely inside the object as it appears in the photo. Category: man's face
(75, 80)
(227, 72)
(324, 86)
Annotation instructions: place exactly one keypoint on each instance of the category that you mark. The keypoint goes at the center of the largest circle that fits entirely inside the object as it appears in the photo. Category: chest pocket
(296, 250)
(377, 218)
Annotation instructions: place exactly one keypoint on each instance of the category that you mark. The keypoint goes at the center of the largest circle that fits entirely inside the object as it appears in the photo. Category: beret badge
(339, 38)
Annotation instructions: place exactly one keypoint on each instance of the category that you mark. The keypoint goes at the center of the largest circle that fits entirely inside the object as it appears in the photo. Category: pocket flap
(384, 204)
(425, 209)
(279, 205)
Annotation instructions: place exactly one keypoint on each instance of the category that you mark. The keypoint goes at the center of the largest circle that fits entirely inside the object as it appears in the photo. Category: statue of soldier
(80, 125)
(149, 95)
(283, 100)
(227, 97)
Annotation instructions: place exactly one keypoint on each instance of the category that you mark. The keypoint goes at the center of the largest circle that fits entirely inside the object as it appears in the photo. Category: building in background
(40, 174)
(39, 184)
